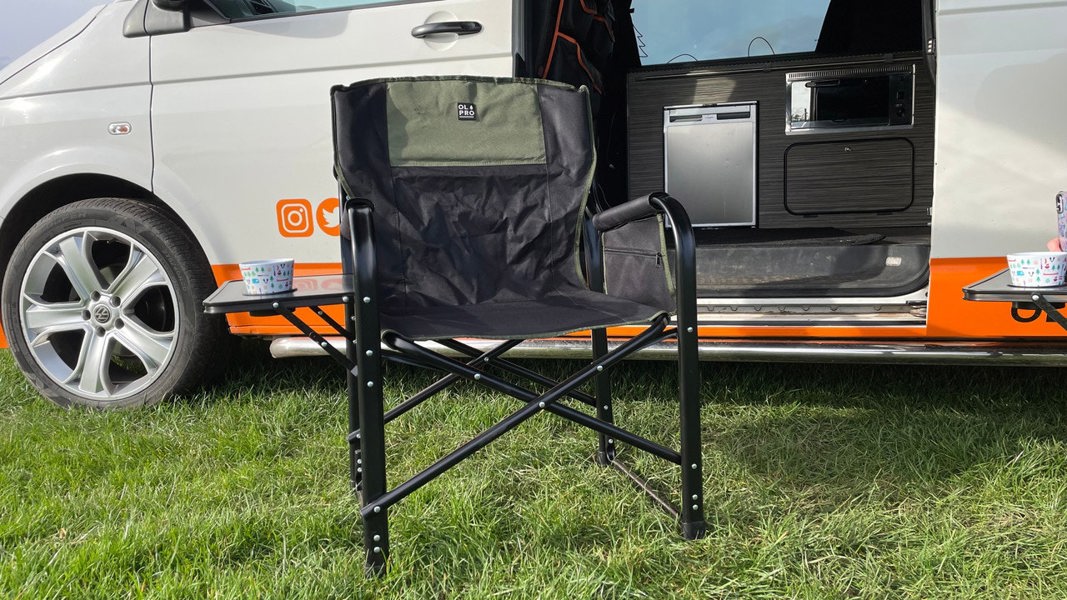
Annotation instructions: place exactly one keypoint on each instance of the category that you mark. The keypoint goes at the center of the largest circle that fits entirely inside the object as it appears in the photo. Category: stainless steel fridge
(710, 162)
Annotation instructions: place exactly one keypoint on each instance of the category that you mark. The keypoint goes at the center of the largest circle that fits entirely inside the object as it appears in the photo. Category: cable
(765, 41)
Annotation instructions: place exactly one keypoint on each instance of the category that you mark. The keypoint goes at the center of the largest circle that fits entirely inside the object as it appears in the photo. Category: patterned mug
(271, 276)
(1037, 269)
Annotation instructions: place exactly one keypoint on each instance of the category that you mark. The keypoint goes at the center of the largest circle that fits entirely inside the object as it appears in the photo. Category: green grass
(822, 482)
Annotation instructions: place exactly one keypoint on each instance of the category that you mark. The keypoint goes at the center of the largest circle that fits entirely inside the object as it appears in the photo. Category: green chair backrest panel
(464, 123)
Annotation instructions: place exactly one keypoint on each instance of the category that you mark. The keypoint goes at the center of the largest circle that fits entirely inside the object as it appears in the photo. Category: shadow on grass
(836, 432)
(249, 368)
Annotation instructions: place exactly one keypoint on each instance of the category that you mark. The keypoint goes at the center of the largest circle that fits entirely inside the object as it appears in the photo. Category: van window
(672, 31)
(243, 9)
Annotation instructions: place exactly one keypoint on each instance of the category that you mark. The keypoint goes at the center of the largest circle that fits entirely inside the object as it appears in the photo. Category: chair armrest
(348, 201)
(628, 212)
(686, 267)
(683, 277)
(641, 208)
(647, 206)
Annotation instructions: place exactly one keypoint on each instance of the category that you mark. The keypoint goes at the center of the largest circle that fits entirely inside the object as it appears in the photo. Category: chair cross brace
(447, 380)
(534, 404)
(646, 487)
(516, 370)
(653, 333)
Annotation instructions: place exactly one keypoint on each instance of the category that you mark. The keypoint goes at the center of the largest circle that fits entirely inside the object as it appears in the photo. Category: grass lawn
(822, 481)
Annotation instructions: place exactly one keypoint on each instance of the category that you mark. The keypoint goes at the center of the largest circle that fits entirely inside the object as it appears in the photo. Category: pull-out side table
(1036, 300)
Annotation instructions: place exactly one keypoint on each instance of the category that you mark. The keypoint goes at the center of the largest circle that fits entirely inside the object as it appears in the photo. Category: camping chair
(464, 200)
(463, 217)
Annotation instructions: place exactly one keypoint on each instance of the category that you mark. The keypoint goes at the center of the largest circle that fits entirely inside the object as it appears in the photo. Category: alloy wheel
(99, 313)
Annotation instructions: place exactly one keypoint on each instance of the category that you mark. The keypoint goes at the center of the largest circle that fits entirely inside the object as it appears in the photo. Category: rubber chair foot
(695, 530)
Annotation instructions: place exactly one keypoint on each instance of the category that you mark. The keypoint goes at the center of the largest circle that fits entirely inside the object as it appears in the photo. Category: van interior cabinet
(889, 149)
(840, 153)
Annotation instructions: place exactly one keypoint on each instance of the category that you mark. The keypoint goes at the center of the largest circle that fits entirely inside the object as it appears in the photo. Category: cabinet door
(241, 113)
(862, 176)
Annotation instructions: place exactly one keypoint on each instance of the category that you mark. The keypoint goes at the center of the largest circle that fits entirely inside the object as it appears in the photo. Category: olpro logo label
(466, 111)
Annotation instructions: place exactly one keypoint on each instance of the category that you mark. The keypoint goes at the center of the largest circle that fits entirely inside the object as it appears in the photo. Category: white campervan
(851, 165)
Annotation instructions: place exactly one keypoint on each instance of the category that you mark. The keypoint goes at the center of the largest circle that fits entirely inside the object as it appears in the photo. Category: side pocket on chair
(636, 264)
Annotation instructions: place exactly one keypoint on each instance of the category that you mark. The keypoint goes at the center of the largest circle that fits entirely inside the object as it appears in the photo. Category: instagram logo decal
(296, 218)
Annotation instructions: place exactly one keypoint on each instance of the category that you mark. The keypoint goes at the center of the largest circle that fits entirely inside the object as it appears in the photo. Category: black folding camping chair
(464, 217)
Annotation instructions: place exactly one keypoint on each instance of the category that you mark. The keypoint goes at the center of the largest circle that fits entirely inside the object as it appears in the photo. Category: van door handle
(456, 27)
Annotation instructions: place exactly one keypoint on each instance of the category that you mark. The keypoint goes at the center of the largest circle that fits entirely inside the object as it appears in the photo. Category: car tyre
(102, 305)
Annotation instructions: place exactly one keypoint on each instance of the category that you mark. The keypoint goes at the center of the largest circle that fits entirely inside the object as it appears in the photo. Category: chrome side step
(1036, 353)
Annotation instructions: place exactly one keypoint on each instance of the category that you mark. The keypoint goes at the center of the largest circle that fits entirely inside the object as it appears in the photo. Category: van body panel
(1001, 135)
(55, 113)
(241, 114)
(31, 153)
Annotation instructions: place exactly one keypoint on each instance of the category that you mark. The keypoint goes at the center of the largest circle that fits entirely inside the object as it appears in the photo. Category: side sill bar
(1035, 354)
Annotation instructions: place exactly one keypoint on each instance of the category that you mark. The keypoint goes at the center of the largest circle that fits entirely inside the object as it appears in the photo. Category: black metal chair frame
(366, 349)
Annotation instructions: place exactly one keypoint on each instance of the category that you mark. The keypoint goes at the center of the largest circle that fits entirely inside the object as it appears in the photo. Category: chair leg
(360, 260)
(605, 445)
(355, 461)
(693, 525)
(372, 454)
(371, 449)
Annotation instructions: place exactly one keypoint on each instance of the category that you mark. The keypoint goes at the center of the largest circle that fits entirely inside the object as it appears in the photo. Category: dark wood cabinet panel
(861, 176)
(650, 90)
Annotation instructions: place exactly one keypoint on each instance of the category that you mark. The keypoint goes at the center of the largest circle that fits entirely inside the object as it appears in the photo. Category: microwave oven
(850, 99)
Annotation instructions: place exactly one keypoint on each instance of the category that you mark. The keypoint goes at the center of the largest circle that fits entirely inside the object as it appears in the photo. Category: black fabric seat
(464, 217)
(564, 311)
